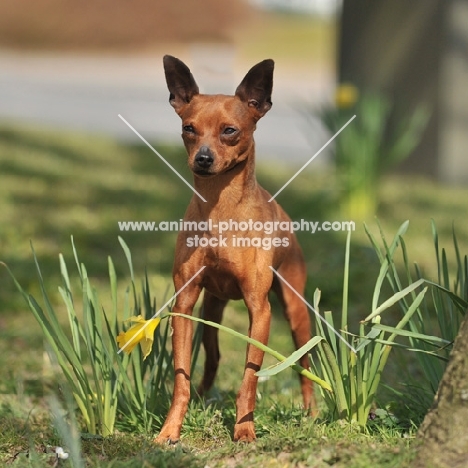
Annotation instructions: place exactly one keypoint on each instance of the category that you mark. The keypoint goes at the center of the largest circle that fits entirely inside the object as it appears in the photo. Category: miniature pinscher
(217, 131)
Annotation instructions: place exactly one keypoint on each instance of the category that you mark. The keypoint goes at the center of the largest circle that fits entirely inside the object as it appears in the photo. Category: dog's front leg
(182, 351)
(260, 317)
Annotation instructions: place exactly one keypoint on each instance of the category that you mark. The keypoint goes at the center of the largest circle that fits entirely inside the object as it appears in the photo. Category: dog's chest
(225, 271)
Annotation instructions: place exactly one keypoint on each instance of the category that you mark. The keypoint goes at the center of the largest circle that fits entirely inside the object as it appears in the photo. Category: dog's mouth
(204, 173)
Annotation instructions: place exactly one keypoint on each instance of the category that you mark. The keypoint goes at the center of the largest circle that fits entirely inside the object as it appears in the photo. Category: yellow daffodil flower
(346, 96)
(141, 332)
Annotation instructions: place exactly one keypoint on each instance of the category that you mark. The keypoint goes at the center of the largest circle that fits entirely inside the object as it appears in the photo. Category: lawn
(58, 185)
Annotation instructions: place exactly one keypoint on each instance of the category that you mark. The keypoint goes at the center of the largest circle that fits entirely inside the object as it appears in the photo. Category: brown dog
(218, 134)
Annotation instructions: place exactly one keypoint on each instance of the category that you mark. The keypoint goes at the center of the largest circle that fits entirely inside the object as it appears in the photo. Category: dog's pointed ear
(256, 87)
(180, 82)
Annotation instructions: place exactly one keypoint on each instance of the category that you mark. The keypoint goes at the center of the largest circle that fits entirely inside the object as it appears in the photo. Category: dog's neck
(228, 190)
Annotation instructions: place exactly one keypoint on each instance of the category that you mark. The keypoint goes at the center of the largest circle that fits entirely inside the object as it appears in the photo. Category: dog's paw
(244, 432)
(168, 442)
(167, 438)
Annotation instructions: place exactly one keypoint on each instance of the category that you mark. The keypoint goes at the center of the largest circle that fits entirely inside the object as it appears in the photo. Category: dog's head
(218, 130)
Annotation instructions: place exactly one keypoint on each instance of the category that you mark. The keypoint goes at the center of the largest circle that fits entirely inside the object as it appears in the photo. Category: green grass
(286, 439)
(55, 185)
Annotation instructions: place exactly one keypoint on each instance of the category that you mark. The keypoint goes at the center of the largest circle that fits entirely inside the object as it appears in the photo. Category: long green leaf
(294, 357)
(385, 260)
(394, 299)
(344, 311)
(128, 255)
(418, 336)
(259, 345)
(409, 313)
(461, 304)
(338, 390)
(369, 338)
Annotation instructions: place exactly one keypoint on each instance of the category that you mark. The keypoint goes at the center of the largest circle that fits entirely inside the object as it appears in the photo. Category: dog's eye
(229, 131)
(188, 129)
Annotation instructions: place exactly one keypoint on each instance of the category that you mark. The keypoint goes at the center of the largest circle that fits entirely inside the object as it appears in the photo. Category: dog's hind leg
(294, 272)
(213, 311)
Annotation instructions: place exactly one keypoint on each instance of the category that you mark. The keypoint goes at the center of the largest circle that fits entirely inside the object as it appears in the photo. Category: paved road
(87, 93)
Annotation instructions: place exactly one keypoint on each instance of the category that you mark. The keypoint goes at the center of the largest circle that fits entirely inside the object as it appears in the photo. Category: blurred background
(70, 167)
(79, 67)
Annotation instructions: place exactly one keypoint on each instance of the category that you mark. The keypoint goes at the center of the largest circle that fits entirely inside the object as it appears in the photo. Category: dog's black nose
(204, 158)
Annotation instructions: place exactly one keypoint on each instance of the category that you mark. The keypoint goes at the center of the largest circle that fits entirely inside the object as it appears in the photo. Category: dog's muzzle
(203, 159)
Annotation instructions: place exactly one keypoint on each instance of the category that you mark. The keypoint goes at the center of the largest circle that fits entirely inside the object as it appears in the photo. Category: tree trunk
(444, 431)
